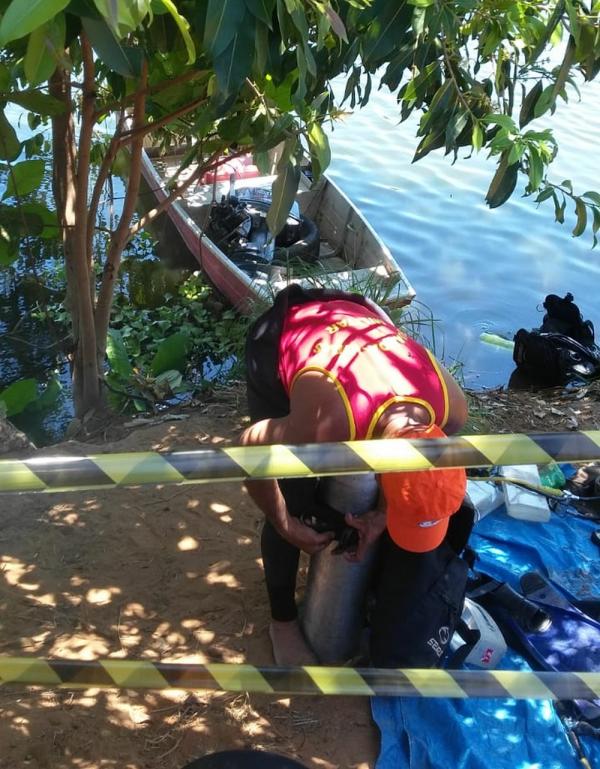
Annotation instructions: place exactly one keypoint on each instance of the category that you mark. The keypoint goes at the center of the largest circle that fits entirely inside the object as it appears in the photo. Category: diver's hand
(370, 527)
(302, 536)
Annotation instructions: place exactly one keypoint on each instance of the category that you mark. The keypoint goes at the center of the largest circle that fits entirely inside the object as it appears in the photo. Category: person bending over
(327, 366)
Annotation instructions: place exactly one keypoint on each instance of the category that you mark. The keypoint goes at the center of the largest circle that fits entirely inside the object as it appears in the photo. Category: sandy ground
(170, 573)
(174, 573)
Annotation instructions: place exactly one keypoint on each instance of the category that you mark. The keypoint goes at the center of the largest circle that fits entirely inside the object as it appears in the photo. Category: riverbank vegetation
(99, 80)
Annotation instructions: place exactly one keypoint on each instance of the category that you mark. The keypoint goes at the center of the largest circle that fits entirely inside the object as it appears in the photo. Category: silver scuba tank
(333, 609)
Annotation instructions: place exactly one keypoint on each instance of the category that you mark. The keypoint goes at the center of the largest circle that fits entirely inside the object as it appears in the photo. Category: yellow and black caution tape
(237, 463)
(144, 674)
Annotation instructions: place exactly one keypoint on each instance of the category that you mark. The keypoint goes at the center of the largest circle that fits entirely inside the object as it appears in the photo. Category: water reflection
(478, 269)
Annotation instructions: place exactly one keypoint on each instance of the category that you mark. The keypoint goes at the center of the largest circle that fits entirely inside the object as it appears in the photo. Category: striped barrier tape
(238, 463)
(143, 674)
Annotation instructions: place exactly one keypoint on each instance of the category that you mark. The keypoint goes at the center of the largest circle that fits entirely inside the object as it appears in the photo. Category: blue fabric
(506, 734)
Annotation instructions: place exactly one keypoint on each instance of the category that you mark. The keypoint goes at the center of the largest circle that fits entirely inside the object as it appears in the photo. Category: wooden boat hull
(344, 226)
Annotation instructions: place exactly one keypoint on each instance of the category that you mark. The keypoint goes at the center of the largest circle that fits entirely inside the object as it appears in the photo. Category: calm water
(477, 269)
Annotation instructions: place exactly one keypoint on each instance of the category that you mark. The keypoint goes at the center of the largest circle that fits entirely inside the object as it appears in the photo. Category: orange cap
(419, 504)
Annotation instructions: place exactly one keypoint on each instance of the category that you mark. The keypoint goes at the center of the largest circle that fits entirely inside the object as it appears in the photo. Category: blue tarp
(504, 734)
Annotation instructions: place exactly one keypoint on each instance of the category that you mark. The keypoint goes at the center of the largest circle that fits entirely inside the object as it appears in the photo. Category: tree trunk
(70, 180)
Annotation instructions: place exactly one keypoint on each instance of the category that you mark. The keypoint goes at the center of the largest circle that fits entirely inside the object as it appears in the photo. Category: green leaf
(24, 177)
(116, 353)
(443, 100)
(263, 162)
(504, 121)
(535, 169)
(107, 47)
(549, 31)
(581, 212)
(262, 10)
(477, 136)
(544, 101)
(171, 354)
(36, 101)
(385, 31)
(17, 396)
(544, 195)
(44, 49)
(50, 394)
(233, 65)
(396, 67)
(30, 219)
(23, 16)
(574, 20)
(10, 146)
(593, 196)
(261, 43)
(454, 128)
(223, 21)
(421, 3)
(118, 16)
(9, 248)
(319, 147)
(527, 112)
(568, 184)
(503, 183)
(516, 153)
(596, 225)
(184, 29)
(4, 77)
(432, 141)
(285, 187)
(300, 91)
(172, 378)
(41, 221)
(48, 397)
(416, 88)
(337, 25)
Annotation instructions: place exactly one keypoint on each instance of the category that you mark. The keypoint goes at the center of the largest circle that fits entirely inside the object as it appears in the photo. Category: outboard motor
(238, 226)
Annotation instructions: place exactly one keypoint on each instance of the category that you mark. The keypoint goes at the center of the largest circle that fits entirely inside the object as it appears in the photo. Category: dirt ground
(174, 573)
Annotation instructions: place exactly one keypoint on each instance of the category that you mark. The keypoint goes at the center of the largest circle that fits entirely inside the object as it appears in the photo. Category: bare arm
(458, 410)
(316, 414)
(370, 527)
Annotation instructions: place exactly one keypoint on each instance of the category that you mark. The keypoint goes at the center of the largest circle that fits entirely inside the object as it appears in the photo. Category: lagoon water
(476, 269)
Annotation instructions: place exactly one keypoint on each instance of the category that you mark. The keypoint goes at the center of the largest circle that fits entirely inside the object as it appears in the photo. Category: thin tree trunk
(121, 235)
(64, 189)
(86, 373)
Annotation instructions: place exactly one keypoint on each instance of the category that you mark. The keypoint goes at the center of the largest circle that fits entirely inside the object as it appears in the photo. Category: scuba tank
(332, 614)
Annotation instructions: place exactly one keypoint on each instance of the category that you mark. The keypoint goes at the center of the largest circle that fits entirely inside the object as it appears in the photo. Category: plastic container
(552, 475)
(485, 496)
(498, 341)
(333, 611)
(520, 502)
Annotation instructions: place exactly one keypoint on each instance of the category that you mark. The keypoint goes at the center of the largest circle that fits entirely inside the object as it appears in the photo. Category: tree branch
(121, 234)
(142, 130)
(179, 191)
(122, 104)
(459, 93)
(103, 173)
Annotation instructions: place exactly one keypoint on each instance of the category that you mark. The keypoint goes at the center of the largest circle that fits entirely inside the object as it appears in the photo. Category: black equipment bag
(562, 350)
(554, 359)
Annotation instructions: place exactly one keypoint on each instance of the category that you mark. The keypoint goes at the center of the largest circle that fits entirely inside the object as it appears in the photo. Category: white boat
(326, 241)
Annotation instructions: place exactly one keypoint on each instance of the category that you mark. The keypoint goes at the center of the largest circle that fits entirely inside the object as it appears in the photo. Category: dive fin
(537, 588)
(540, 590)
